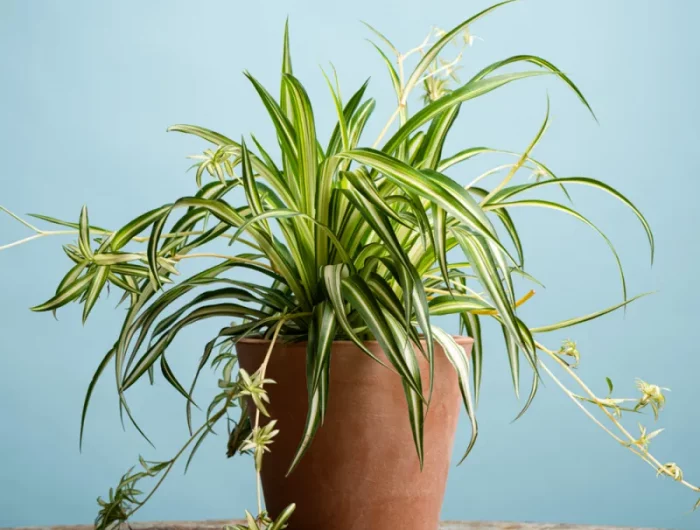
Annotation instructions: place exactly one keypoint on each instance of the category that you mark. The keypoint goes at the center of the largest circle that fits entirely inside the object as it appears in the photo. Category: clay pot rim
(459, 339)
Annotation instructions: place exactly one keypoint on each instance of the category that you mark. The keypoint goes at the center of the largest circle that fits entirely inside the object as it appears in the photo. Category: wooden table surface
(447, 525)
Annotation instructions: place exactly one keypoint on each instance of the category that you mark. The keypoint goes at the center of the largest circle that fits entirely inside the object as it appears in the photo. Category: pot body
(361, 471)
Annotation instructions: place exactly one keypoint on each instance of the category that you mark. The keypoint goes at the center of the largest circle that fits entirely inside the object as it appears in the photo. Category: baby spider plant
(341, 238)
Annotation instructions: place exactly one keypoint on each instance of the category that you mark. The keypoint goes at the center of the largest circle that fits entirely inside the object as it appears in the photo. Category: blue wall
(87, 91)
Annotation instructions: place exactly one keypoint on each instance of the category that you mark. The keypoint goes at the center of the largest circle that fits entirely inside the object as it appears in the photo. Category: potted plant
(350, 247)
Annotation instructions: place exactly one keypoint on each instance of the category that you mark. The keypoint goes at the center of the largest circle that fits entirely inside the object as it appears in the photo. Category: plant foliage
(347, 239)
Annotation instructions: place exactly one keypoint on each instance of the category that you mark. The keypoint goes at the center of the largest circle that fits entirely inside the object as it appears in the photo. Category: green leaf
(471, 90)
(482, 261)
(136, 226)
(152, 250)
(453, 304)
(286, 69)
(390, 302)
(205, 134)
(473, 326)
(523, 158)
(69, 224)
(72, 275)
(531, 396)
(414, 399)
(305, 129)
(429, 155)
(335, 93)
(431, 55)
(459, 360)
(515, 190)
(363, 301)
(579, 320)
(440, 238)
(381, 37)
(91, 387)
(251, 192)
(313, 420)
(357, 122)
(285, 130)
(196, 447)
(349, 112)
(364, 185)
(68, 294)
(333, 276)
(321, 335)
(84, 234)
(513, 359)
(471, 152)
(539, 61)
(431, 186)
(93, 292)
(114, 258)
(573, 213)
(225, 213)
(283, 517)
(159, 347)
(226, 293)
(170, 378)
(238, 434)
(268, 162)
(393, 75)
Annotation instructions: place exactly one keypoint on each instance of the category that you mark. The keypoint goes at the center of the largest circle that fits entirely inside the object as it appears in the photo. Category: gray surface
(448, 525)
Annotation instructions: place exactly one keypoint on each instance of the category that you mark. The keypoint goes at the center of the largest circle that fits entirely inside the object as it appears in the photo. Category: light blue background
(86, 92)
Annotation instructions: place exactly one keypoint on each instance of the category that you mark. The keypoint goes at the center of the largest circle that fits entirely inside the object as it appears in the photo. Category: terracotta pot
(361, 471)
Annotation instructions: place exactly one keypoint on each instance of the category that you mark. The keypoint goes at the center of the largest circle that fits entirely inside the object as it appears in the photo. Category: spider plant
(348, 239)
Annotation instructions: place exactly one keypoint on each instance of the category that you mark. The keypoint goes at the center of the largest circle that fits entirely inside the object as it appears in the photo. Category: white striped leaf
(459, 360)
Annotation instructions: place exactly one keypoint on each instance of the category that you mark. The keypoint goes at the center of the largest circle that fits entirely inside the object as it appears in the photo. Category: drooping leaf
(94, 290)
(459, 360)
(362, 300)
(580, 320)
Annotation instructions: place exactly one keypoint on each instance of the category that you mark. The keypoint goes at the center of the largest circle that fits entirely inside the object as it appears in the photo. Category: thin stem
(644, 454)
(487, 174)
(516, 167)
(21, 241)
(263, 369)
(418, 48)
(573, 398)
(386, 127)
(402, 95)
(442, 68)
(18, 218)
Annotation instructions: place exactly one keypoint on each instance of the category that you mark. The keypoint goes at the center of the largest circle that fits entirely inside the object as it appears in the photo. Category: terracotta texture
(361, 470)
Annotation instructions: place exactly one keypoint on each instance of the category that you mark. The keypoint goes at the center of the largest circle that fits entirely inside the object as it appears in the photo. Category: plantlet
(347, 240)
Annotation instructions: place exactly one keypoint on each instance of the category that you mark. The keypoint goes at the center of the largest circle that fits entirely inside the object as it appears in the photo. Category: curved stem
(21, 241)
(627, 437)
